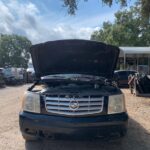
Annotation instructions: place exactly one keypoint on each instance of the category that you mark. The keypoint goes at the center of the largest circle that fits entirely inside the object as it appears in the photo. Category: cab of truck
(74, 94)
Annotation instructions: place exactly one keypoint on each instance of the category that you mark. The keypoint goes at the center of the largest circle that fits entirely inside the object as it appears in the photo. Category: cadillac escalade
(74, 94)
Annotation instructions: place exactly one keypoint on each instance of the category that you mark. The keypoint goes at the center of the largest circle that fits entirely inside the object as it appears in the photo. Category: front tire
(30, 137)
(123, 133)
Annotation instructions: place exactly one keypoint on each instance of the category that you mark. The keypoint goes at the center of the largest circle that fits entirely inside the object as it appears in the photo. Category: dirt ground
(138, 137)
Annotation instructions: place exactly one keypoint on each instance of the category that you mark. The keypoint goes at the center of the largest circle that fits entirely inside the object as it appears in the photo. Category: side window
(123, 75)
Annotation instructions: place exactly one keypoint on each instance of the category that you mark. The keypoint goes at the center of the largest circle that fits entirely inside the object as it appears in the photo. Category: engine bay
(75, 88)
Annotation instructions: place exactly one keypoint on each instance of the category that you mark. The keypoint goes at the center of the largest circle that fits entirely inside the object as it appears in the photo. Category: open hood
(74, 56)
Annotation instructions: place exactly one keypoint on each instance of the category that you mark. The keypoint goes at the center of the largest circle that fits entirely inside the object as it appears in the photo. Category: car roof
(125, 71)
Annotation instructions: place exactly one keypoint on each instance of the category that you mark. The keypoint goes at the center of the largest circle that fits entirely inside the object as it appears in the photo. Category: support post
(149, 64)
(137, 68)
(124, 61)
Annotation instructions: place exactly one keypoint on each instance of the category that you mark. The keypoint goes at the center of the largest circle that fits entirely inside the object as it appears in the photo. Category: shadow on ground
(136, 139)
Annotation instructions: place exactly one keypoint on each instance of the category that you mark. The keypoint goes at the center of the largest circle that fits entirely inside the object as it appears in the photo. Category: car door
(123, 78)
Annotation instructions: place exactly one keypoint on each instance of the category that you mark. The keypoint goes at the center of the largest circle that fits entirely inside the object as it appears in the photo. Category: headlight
(116, 104)
(31, 102)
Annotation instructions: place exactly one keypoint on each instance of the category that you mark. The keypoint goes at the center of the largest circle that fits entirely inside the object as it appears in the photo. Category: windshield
(75, 77)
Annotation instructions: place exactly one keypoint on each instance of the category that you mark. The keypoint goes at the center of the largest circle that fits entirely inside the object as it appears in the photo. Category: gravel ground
(138, 137)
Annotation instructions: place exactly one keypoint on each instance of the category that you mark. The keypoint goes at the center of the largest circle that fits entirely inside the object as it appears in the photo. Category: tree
(129, 29)
(14, 50)
(72, 6)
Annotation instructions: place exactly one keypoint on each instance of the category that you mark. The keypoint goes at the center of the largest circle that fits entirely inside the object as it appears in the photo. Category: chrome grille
(67, 105)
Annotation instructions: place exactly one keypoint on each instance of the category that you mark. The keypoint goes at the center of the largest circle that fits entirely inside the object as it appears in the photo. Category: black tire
(120, 139)
(30, 137)
(123, 133)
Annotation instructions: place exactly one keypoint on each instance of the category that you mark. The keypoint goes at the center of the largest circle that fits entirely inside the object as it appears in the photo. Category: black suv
(73, 95)
(121, 77)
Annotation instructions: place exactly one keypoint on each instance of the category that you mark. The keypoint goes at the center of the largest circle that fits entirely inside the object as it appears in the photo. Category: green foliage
(145, 9)
(110, 2)
(129, 29)
(72, 6)
(14, 50)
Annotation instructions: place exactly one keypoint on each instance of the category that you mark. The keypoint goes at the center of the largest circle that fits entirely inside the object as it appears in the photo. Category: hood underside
(74, 56)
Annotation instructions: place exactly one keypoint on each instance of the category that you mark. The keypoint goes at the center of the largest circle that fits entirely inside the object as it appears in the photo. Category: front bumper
(39, 125)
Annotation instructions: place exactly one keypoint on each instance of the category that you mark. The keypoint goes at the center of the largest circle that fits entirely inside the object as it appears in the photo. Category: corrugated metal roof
(135, 50)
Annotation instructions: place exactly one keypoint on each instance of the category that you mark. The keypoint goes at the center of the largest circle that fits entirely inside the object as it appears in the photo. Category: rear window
(131, 72)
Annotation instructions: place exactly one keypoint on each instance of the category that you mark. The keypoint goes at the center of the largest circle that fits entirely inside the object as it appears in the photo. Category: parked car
(2, 82)
(121, 77)
(30, 75)
(73, 95)
(13, 76)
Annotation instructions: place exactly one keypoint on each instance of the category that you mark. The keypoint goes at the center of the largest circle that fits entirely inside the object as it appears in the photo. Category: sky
(45, 20)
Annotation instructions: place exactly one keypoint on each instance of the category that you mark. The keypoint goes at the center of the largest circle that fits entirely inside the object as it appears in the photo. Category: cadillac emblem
(74, 105)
